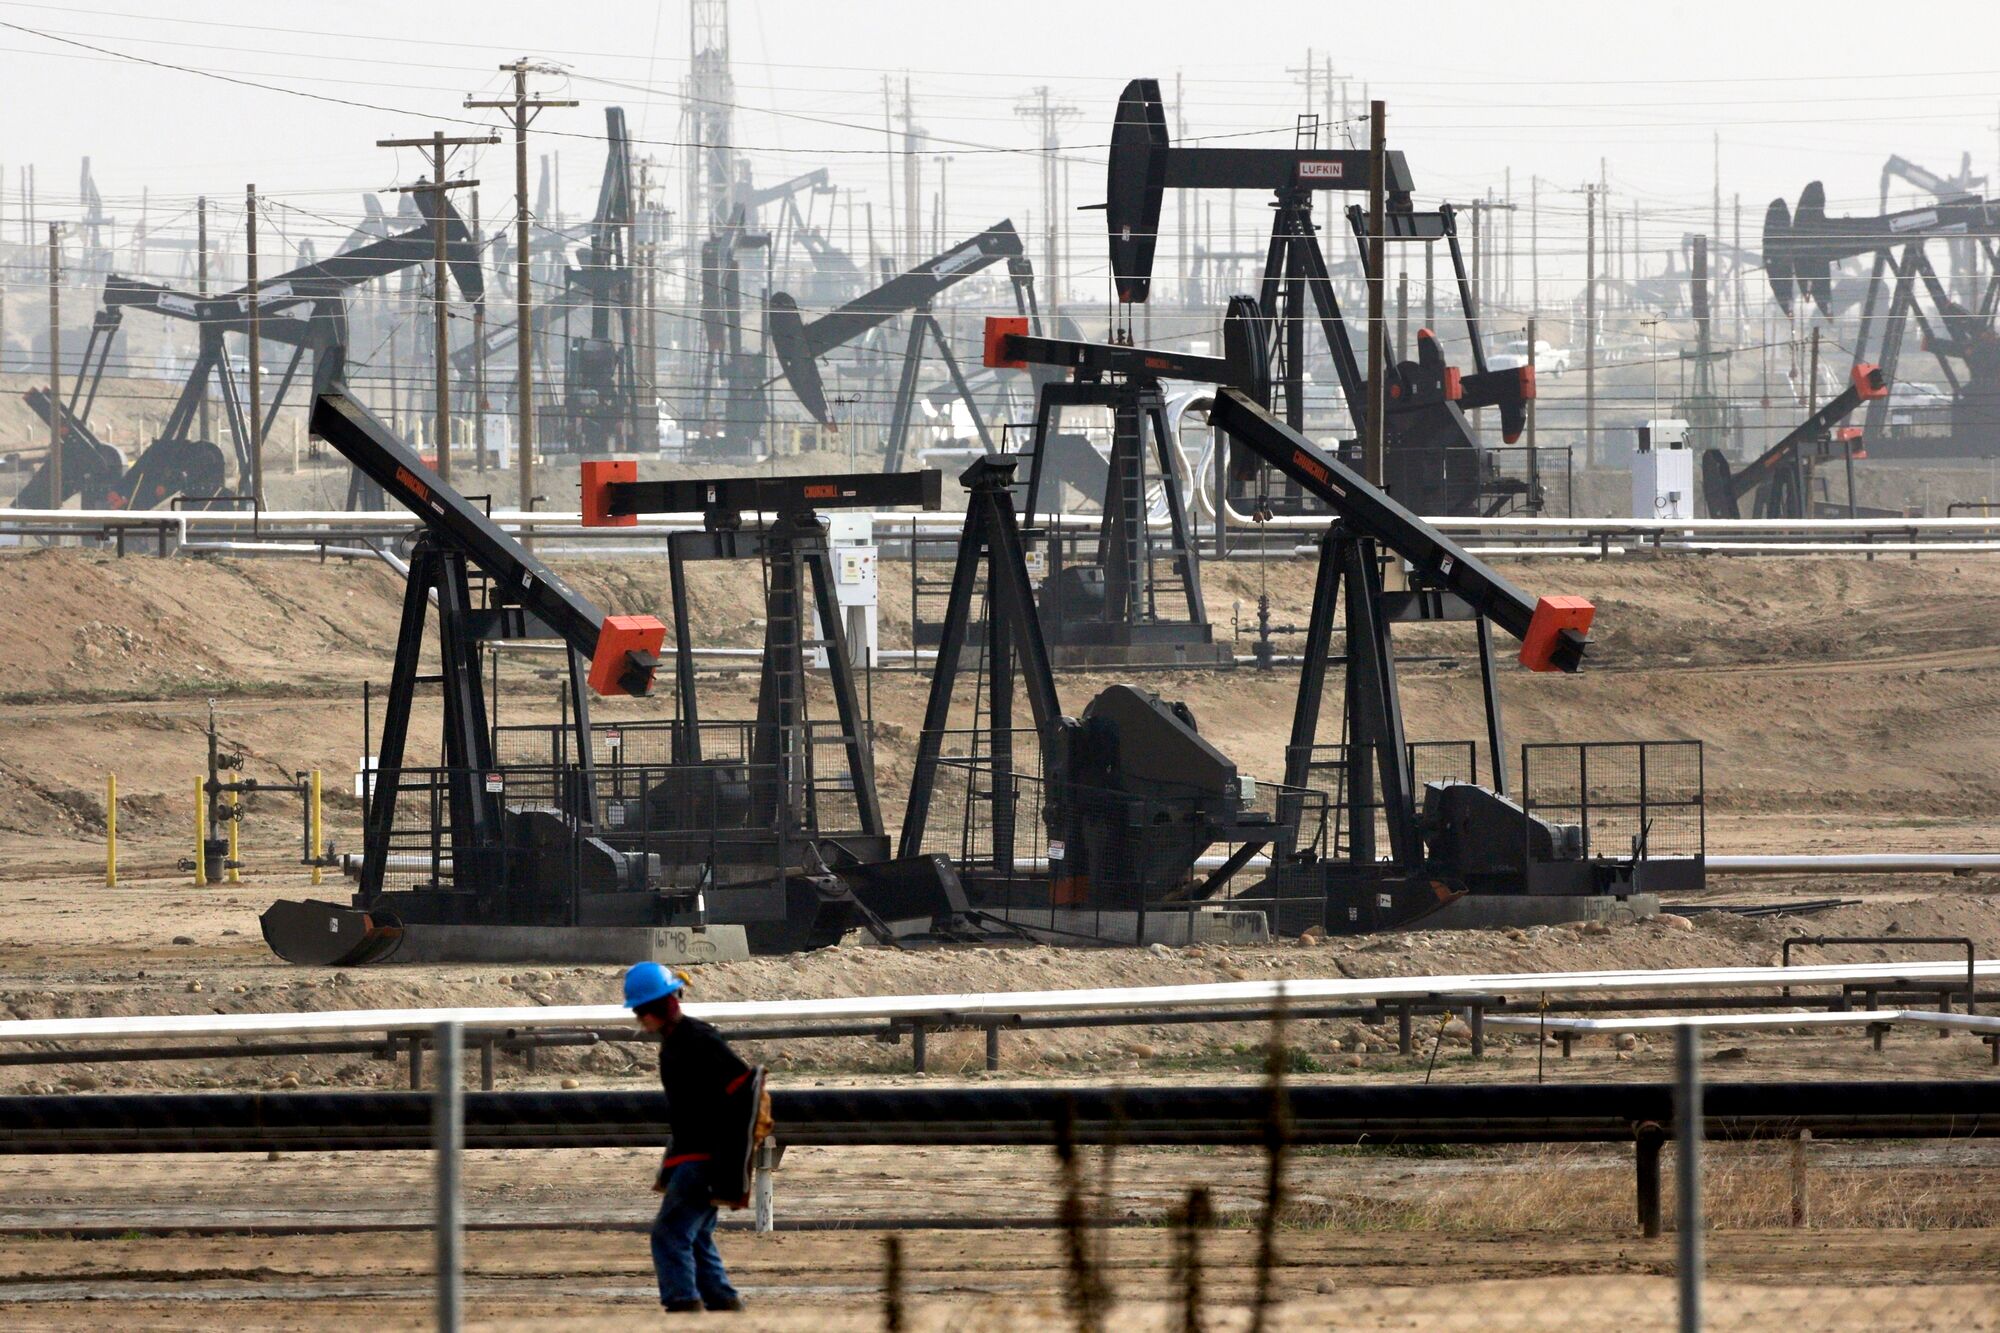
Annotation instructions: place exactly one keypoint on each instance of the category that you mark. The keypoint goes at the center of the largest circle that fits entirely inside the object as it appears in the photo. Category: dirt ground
(1845, 705)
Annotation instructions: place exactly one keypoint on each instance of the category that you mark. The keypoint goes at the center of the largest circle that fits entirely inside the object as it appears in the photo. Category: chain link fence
(1292, 1200)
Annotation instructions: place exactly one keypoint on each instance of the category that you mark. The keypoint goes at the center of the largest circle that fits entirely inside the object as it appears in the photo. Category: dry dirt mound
(1863, 695)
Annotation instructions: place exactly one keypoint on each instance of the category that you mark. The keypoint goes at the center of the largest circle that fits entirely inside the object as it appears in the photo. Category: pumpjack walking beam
(799, 344)
(622, 650)
(1780, 476)
(1553, 630)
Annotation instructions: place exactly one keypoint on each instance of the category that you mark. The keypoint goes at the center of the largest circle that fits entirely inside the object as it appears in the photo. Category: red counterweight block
(628, 653)
(1552, 616)
(998, 329)
(597, 478)
(1869, 381)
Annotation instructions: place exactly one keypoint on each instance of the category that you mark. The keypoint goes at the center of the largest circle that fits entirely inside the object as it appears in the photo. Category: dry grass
(1589, 1191)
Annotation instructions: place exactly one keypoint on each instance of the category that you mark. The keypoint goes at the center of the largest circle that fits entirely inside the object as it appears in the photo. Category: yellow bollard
(111, 830)
(234, 875)
(200, 832)
(318, 828)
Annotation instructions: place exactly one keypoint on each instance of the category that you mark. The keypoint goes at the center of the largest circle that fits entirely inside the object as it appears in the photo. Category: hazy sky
(1545, 88)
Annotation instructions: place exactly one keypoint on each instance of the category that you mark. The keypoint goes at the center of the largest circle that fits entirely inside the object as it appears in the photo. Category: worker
(717, 1107)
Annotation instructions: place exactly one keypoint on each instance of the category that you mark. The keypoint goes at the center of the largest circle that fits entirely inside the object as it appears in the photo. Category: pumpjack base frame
(622, 945)
(1169, 924)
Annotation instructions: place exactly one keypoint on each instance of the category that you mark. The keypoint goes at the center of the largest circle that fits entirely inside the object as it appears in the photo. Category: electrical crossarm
(623, 651)
(1553, 630)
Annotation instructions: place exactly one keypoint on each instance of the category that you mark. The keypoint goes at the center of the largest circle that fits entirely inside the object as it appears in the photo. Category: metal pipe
(909, 1008)
(994, 1115)
(1857, 863)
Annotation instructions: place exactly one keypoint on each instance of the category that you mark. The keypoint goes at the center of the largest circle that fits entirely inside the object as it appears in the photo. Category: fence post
(448, 1139)
(1646, 1158)
(763, 1184)
(110, 830)
(1801, 1200)
(1687, 1173)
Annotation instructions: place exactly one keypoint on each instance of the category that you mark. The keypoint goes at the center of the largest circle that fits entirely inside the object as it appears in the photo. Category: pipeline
(992, 1116)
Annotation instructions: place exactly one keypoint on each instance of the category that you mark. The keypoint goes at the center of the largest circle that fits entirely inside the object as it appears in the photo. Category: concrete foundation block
(571, 944)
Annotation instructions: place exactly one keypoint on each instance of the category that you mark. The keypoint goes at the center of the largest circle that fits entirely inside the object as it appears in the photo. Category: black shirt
(705, 1082)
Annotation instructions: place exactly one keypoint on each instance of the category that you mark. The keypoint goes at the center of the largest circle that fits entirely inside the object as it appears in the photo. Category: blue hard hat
(647, 982)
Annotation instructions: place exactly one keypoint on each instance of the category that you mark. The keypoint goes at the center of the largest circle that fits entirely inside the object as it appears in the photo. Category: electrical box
(1663, 471)
(851, 542)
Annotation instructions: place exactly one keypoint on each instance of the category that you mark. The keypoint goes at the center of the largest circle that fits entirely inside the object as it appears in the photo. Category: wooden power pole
(521, 110)
(438, 148)
(256, 358)
(55, 367)
(1590, 325)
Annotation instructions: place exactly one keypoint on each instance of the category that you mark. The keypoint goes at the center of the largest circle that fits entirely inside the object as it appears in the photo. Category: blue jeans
(684, 1255)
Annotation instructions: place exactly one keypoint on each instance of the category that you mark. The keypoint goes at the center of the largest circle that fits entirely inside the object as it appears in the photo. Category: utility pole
(889, 157)
(1535, 244)
(478, 347)
(438, 149)
(521, 110)
(1715, 224)
(201, 286)
(55, 367)
(1049, 116)
(256, 357)
(1736, 273)
(1477, 207)
(1590, 325)
(913, 172)
(1377, 382)
(1534, 458)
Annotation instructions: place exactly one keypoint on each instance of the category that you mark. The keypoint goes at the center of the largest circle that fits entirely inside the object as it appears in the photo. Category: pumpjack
(600, 368)
(1140, 597)
(799, 345)
(1380, 564)
(304, 309)
(1126, 797)
(526, 829)
(497, 857)
(1802, 245)
(778, 819)
(1434, 462)
(1780, 479)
